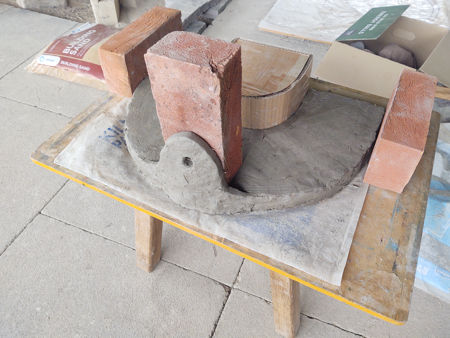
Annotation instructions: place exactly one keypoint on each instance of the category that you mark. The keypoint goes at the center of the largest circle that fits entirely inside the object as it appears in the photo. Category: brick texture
(196, 82)
(122, 56)
(403, 134)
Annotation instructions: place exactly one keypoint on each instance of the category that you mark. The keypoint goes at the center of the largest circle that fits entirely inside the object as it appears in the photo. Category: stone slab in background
(196, 27)
(221, 5)
(190, 9)
(41, 4)
(106, 12)
(130, 10)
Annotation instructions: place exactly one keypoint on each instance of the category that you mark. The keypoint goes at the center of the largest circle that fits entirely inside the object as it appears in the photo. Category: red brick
(196, 82)
(403, 134)
(122, 56)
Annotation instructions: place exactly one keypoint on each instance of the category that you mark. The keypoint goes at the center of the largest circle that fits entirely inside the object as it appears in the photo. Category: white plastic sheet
(325, 20)
(315, 239)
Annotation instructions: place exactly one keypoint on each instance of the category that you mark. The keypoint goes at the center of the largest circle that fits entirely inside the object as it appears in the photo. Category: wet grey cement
(309, 157)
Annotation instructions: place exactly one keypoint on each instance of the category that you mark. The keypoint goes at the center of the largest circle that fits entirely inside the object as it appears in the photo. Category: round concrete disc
(323, 145)
(319, 149)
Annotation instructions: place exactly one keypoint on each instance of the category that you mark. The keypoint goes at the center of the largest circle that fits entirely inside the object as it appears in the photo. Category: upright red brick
(403, 134)
(122, 56)
(196, 82)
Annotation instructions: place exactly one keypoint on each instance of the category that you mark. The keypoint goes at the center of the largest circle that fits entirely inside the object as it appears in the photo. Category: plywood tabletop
(380, 270)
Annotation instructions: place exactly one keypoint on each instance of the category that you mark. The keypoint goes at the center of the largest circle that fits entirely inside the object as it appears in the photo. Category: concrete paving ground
(67, 264)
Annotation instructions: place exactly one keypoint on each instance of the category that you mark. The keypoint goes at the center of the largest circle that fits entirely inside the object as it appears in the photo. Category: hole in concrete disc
(187, 162)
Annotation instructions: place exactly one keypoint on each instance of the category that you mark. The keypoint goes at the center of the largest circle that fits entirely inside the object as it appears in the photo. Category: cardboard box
(357, 69)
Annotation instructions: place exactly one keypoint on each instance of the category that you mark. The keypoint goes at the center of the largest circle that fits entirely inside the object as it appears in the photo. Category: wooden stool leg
(286, 304)
(148, 240)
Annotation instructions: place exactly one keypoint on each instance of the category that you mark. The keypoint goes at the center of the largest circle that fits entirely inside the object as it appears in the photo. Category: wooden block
(148, 240)
(403, 134)
(106, 12)
(286, 304)
(196, 83)
(274, 83)
(122, 56)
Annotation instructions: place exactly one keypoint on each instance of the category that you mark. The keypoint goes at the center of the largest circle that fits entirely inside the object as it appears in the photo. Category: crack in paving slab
(227, 296)
(32, 219)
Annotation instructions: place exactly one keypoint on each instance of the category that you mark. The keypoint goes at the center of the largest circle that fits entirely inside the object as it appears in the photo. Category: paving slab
(25, 187)
(428, 315)
(254, 279)
(99, 214)
(24, 33)
(4, 7)
(46, 92)
(94, 212)
(198, 255)
(60, 281)
(245, 315)
(240, 19)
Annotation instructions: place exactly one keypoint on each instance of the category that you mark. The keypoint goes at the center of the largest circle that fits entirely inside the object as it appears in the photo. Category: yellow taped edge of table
(237, 252)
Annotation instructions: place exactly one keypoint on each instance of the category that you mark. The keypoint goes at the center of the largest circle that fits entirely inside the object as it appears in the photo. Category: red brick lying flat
(403, 134)
(122, 56)
(196, 82)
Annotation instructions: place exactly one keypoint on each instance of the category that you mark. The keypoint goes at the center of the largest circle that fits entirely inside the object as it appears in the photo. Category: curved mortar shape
(309, 157)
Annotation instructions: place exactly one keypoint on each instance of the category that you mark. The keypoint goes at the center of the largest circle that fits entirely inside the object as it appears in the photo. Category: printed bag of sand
(74, 57)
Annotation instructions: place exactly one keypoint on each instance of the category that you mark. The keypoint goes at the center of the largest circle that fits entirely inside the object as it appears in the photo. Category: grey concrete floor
(67, 265)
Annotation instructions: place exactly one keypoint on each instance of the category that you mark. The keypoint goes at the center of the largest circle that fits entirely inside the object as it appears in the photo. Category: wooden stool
(371, 267)
(285, 291)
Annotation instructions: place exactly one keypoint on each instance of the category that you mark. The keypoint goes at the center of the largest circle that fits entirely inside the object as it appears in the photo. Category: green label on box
(373, 23)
